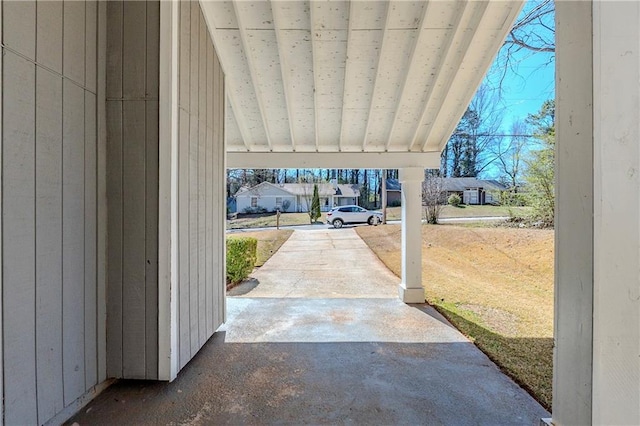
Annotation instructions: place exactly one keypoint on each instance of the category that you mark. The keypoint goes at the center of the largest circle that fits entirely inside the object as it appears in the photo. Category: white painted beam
(375, 81)
(405, 89)
(241, 120)
(445, 79)
(447, 124)
(252, 72)
(344, 160)
(314, 55)
(275, 8)
(350, 54)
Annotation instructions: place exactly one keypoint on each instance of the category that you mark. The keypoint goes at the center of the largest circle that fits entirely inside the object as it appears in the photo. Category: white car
(338, 216)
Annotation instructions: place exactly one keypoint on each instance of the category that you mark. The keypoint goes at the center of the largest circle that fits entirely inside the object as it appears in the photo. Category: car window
(345, 209)
(359, 209)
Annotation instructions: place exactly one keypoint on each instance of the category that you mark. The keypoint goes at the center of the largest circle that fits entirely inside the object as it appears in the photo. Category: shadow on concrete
(244, 287)
(322, 383)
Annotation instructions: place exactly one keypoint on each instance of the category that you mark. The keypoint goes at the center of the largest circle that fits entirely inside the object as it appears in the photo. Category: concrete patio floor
(320, 337)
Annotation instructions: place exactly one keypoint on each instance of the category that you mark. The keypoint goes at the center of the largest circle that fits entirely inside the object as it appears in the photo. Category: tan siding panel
(151, 241)
(134, 45)
(211, 262)
(48, 248)
(90, 243)
(19, 27)
(49, 34)
(18, 240)
(193, 231)
(114, 238)
(114, 49)
(102, 195)
(73, 241)
(185, 54)
(183, 224)
(91, 38)
(153, 49)
(195, 52)
(73, 62)
(202, 134)
(133, 265)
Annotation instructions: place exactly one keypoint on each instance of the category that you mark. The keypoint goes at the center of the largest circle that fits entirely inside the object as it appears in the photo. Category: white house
(294, 197)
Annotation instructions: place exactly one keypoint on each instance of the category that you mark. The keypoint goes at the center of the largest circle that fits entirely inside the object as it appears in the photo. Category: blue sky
(524, 91)
(531, 79)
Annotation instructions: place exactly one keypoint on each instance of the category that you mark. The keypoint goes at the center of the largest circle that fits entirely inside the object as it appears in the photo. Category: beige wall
(133, 49)
(53, 257)
(80, 161)
(201, 185)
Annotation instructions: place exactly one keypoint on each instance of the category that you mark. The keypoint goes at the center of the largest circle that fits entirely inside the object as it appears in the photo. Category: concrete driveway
(320, 337)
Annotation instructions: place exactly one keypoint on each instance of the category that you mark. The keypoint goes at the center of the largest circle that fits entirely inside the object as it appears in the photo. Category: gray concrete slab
(326, 360)
(324, 263)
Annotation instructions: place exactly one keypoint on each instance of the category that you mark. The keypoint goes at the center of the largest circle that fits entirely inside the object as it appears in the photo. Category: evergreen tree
(314, 213)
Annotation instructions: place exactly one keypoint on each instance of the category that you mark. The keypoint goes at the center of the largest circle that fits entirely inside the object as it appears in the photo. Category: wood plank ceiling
(352, 76)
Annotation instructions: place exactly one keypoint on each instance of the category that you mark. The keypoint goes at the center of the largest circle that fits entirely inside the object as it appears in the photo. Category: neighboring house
(294, 197)
(394, 192)
(472, 190)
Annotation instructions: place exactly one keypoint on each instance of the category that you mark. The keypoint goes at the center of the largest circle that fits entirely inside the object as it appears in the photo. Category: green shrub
(255, 210)
(394, 203)
(454, 200)
(241, 258)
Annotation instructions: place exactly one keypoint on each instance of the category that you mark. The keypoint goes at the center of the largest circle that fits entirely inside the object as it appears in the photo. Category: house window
(278, 203)
(254, 202)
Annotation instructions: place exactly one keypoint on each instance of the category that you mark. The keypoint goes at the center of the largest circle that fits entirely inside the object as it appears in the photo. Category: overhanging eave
(333, 160)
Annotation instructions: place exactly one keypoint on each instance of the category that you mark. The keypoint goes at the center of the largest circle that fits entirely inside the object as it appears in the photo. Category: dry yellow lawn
(495, 285)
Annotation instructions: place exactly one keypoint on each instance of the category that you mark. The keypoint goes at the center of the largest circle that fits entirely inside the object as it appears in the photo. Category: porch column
(572, 361)
(597, 314)
(616, 290)
(410, 289)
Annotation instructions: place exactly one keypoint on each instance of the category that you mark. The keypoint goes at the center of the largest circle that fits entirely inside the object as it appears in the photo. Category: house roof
(256, 189)
(345, 190)
(324, 189)
(393, 185)
(462, 183)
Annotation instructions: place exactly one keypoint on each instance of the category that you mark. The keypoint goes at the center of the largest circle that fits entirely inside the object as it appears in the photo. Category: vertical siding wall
(201, 185)
(133, 40)
(51, 294)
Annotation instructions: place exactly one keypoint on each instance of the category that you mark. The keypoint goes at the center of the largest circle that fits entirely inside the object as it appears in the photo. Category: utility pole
(383, 193)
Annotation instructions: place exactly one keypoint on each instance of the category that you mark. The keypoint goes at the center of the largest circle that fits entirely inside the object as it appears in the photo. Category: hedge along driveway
(268, 243)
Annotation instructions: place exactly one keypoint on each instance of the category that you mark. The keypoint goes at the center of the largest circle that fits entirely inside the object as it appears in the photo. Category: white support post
(616, 219)
(410, 289)
(572, 363)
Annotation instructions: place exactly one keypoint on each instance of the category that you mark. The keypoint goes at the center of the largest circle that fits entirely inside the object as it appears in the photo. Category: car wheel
(337, 223)
(370, 220)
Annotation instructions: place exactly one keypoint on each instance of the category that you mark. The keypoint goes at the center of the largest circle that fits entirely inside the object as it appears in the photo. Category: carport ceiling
(352, 76)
